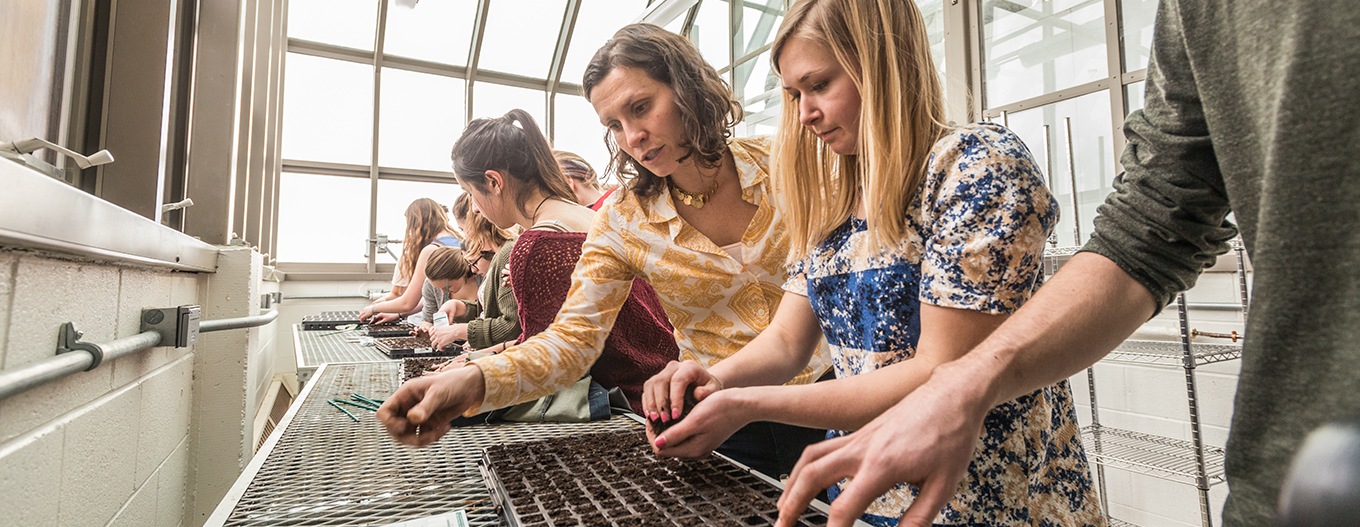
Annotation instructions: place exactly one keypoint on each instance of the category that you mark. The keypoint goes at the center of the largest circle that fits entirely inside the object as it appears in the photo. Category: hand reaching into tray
(384, 318)
(927, 440)
(676, 393)
(420, 412)
(663, 395)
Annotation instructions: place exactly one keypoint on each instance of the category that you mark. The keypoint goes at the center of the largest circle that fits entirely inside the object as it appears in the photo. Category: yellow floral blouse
(717, 303)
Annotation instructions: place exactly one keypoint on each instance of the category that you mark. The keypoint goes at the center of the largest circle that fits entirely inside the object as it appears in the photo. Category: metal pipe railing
(238, 323)
(22, 379)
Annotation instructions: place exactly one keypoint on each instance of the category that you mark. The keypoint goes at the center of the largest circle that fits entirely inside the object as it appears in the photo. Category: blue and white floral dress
(975, 241)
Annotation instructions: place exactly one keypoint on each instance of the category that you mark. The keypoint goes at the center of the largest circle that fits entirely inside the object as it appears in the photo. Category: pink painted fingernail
(661, 442)
(665, 418)
(675, 414)
(653, 416)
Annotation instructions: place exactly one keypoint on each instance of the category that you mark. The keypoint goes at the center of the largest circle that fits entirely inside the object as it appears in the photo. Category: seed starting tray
(400, 329)
(319, 467)
(402, 347)
(613, 480)
(412, 367)
(329, 319)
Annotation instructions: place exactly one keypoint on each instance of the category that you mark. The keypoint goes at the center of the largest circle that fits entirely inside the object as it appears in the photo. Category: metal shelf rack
(1156, 456)
(1171, 353)
(1188, 462)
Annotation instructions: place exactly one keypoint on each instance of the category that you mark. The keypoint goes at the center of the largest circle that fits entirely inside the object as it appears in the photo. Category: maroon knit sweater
(641, 343)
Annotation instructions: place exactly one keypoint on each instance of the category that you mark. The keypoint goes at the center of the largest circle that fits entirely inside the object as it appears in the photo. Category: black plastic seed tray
(614, 480)
(400, 329)
(403, 347)
(412, 367)
(330, 319)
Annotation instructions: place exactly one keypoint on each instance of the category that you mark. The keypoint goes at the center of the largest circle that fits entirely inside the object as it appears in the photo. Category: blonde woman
(493, 318)
(917, 240)
(697, 220)
(427, 227)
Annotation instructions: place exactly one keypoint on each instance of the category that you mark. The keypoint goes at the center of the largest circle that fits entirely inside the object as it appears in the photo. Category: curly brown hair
(703, 98)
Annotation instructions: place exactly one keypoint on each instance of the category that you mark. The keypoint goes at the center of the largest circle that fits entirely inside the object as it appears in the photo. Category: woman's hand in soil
(663, 395)
(420, 412)
(384, 318)
(706, 425)
(444, 336)
(456, 362)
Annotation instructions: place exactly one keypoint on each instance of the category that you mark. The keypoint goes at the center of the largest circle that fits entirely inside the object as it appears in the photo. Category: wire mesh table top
(325, 469)
(331, 346)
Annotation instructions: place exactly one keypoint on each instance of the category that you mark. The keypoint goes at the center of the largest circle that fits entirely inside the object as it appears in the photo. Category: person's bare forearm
(1082, 313)
(772, 358)
(859, 399)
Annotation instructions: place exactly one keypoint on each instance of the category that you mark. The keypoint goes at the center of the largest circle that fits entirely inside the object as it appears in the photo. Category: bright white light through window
(422, 116)
(327, 110)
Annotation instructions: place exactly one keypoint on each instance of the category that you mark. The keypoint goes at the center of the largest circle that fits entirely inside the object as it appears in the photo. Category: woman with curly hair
(697, 221)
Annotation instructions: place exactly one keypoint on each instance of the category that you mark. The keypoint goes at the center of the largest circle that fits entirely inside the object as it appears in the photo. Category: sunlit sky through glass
(433, 30)
(520, 44)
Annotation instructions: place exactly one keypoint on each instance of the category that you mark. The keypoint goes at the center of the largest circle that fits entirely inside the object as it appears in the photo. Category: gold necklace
(694, 200)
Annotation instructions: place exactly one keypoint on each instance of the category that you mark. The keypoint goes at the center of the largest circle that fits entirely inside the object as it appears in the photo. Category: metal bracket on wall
(177, 326)
(269, 299)
(68, 340)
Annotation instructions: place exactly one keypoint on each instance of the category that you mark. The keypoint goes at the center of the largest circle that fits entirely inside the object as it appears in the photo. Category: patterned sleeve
(987, 215)
(796, 283)
(556, 358)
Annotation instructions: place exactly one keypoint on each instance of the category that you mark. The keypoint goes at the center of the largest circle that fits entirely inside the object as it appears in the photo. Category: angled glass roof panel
(433, 30)
(521, 35)
(676, 25)
(579, 131)
(710, 33)
(422, 116)
(760, 20)
(493, 100)
(348, 23)
(327, 110)
(596, 22)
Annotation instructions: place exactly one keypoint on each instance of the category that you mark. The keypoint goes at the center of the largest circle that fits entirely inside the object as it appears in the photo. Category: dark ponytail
(519, 152)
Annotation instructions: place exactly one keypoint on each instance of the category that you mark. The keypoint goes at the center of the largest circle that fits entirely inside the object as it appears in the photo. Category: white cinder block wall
(1153, 399)
(109, 446)
(149, 439)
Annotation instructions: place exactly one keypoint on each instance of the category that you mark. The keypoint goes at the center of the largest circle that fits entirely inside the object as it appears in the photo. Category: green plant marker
(364, 406)
(337, 407)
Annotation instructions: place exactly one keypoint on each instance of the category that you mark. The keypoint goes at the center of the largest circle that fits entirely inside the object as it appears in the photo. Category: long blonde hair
(482, 235)
(425, 219)
(882, 45)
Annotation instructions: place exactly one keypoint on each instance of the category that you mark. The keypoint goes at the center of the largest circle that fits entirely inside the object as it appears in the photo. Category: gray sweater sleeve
(1166, 221)
(432, 299)
(501, 323)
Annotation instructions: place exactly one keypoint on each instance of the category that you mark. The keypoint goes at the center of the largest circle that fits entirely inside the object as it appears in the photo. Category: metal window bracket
(269, 299)
(68, 340)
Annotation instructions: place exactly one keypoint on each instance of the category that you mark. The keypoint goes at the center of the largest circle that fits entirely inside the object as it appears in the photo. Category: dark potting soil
(613, 479)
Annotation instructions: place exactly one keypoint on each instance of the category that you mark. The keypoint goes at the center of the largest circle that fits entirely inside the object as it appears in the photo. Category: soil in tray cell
(406, 342)
(414, 367)
(613, 479)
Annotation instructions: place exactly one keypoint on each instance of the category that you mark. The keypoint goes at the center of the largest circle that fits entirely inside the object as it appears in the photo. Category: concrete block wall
(109, 446)
(1153, 399)
(232, 369)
